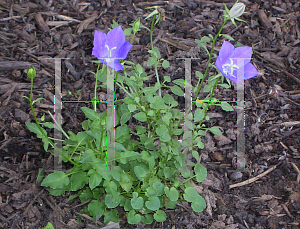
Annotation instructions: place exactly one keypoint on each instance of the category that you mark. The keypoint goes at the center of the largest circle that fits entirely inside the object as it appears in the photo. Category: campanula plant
(150, 173)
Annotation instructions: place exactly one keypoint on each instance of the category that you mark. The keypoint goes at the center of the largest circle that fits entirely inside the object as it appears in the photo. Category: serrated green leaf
(111, 216)
(167, 79)
(226, 106)
(199, 115)
(78, 181)
(179, 82)
(94, 178)
(215, 130)
(96, 208)
(177, 90)
(141, 116)
(163, 133)
(49, 226)
(91, 114)
(56, 180)
(151, 61)
(158, 103)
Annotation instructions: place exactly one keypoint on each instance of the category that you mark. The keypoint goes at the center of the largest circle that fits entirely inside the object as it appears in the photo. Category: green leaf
(165, 64)
(149, 90)
(160, 216)
(195, 155)
(91, 114)
(172, 194)
(141, 171)
(201, 172)
(96, 208)
(200, 144)
(127, 32)
(126, 185)
(226, 106)
(153, 203)
(133, 218)
(177, 90)
(49, 226)
(151, 61)
(95, 178)
(112, 201)
(111, 216)
(141, 116)
(169, 100)
(199, 205)
(163, 133)
(158, 103)
(159, 188)
(40, 175)
(147, 219)
(179, 82)
(199, 115)
(88, 156)
(125, 117)
(199, 74)
(56, 180)
(215, 130)
(227, 37)
(137, 202)
(167, 79)
(78, 181)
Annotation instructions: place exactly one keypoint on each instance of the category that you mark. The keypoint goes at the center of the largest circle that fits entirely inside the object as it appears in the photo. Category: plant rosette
(150, 173)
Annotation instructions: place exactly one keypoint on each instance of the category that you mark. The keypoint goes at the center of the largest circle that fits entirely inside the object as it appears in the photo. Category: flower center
(229, 68)
(109, 59)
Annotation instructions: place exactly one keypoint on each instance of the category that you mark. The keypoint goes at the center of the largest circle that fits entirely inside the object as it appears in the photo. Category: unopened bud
(237, 10)
(31, 73)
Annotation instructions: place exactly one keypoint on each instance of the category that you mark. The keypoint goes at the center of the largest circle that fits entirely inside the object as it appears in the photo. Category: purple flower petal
(115, 65)
(242, 52)
(250, 71)
(123, 51)
(219, 65)
(225, 51)
(99, 49)
(115, 38)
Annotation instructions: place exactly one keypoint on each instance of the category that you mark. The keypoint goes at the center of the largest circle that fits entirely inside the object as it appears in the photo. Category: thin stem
(210, 56)
(96, 85)
(155, 65)
(41, 129)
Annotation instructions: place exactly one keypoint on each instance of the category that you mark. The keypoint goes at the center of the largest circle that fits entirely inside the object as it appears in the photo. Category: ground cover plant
(148, 172)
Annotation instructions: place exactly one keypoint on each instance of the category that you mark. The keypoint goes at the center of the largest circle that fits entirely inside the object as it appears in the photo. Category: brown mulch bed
(31, 31)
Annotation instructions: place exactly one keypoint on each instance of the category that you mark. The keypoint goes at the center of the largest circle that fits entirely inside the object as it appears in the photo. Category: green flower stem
(210, 56)
(96, 85)
(155, 65)
(41, 129)
(210, 97)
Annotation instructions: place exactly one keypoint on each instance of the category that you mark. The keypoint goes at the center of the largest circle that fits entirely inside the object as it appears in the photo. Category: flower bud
(237, 10)
(31, 73)
(136, 25)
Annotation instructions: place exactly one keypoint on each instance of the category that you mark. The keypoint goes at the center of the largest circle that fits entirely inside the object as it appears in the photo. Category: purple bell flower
(231, 59)
(111, 47)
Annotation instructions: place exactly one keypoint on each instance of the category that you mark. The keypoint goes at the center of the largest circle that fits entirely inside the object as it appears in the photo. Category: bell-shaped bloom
(111, 47)
(237, 10)
(232, 60)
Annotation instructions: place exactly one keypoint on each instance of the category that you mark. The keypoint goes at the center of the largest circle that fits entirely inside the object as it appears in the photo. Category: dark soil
(31, 31)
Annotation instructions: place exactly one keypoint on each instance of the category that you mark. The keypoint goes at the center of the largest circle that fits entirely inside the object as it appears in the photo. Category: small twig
(297, 170)
(249, 181)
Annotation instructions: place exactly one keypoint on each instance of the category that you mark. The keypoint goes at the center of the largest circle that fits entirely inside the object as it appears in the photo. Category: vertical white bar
(188, 125)
(57, 116)
(241, 157)
(110, 120)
